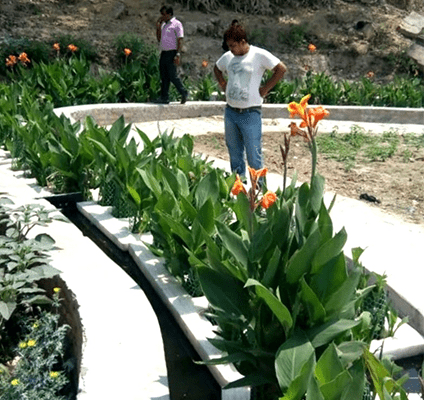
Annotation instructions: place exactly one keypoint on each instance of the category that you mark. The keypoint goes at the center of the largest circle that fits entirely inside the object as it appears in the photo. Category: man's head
(167, 12)
(236, 39)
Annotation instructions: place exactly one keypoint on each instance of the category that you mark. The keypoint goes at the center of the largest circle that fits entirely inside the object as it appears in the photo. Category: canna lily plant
(287, 308)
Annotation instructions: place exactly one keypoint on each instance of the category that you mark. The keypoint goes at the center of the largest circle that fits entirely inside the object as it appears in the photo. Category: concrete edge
(107, 114)
(187, 311)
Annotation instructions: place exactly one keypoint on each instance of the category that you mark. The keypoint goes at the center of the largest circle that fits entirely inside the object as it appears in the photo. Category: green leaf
(300, 384)
(355, 390)
(333, 390)
(151, 182)
(208, 188)
(224, 292)
(329, 250)
(317, 192)
(325, 223)
(45, 241)
(233, 243)
(328, 366)
(315, 309)
(6, 309)
(326, 333)
(206, 216)
(351, 351)
(292, 355)
(272, 268)
(299, 264)
(276, 306)
(313, 392)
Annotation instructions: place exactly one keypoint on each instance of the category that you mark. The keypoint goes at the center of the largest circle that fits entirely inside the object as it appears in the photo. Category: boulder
(416, 52)
(412, 26)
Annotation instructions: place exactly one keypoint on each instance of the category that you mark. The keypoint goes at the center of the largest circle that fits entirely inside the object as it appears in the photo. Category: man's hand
(177, 59)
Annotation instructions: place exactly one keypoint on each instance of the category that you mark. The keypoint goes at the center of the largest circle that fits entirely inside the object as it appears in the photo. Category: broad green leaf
(300, 384)
(326, 333)
(315, 309)
(377, 371)
(171, 179)
(254, 379)
(134, 195)
(6, 309)
(259, 244)
(351, 351)
(325, 223)
(292, 355)
(329, 365)
(233, 243)
(45, 241)
(300, 263)
(313, 392)
(224, 292)
(329, 250)
(151, 182)
(188, 208)
(208, 188)
(272, 268)
(179, 229)
(183, 183)
(206, 216)
(276, 306)
(337, 301)
(355, 390)
(317, 192)
(333, 390)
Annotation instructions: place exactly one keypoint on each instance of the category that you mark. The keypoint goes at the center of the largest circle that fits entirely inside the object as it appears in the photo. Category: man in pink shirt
(170, 33)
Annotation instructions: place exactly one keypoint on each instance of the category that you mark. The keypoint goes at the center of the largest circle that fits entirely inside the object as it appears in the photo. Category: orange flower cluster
(127, 52)
(11, 61)
(268, 198)
(205, 63)
(312, 48)
(370, 74)
(310, 118)
(72, 48)
(23, 58)
(56, 46)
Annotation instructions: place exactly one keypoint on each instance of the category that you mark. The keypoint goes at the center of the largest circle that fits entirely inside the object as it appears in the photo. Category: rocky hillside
(352, 37)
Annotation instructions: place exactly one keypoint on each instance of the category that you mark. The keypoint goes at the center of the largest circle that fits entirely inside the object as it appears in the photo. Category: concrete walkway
(122, 354)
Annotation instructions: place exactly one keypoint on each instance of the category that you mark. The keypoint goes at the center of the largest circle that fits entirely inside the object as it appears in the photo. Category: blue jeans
(243, 133)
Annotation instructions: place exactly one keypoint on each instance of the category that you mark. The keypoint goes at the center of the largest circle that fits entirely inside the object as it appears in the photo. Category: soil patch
(397, 183)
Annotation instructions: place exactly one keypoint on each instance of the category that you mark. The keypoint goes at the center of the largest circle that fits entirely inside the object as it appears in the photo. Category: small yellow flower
(31, 343)
(54, 374)
(35, 325)
(56, 289)
(15, 382)
(22, 345)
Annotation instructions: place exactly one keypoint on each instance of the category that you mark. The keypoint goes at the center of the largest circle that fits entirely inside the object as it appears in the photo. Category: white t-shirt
(245, 74)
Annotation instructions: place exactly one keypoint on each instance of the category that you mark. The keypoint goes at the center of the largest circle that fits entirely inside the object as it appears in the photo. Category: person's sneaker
(184, 98)
(161, 101)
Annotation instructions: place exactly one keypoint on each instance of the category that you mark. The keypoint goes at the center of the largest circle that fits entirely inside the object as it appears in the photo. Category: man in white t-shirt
(244, 65)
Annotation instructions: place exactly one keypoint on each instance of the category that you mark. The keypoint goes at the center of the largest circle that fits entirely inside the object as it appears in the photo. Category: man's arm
(220, 78)
(179, 48)
(159, 28)
(278, 72)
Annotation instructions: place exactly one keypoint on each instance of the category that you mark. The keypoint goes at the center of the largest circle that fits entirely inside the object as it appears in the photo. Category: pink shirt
(171, 32)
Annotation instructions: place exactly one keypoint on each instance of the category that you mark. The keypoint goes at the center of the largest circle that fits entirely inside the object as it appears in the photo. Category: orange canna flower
(127, 52)
(56, 46)
(268, 200)
(256, 174)
(23, 58)
(11, 61)
(72, 48)
(312, 48)
(205, 63)
(299, 108)
(317, 114)
(238, 187)
(370, 74)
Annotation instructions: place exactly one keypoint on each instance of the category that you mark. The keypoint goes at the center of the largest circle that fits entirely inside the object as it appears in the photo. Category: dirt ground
(352, 37)
(397, 183)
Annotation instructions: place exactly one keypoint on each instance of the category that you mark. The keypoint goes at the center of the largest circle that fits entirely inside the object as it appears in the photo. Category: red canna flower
(205, 63)
(56, 46)
(127, 52)
(268, 200)
(238, 187)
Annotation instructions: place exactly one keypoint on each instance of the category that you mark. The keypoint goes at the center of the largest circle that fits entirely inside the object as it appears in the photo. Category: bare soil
(352, 37)
(396, 183)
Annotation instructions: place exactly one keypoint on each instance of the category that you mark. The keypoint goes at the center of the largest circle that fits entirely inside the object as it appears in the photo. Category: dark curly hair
(235, 32)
